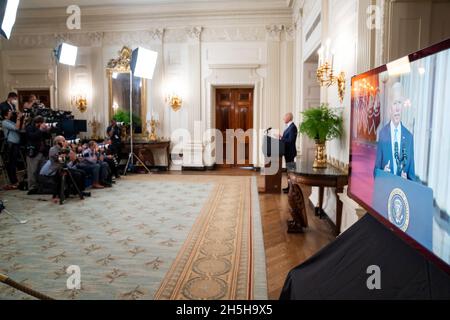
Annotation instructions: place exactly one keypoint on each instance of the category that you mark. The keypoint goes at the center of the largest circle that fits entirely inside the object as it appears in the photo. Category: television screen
(400, 147)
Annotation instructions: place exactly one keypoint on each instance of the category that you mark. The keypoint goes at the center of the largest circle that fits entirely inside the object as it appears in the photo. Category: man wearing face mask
(10, 103)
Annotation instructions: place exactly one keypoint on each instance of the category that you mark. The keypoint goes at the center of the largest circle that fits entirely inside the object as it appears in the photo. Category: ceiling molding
(170, 4)
(234, 66)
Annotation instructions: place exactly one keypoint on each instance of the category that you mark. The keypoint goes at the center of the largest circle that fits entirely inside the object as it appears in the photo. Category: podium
(406, 204)
(273, 150)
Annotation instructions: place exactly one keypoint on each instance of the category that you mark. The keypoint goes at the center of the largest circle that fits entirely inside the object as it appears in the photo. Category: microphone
(267, 131)
(396, 156)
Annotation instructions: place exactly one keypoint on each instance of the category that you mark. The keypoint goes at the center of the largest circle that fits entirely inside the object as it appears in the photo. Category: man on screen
(395, 148)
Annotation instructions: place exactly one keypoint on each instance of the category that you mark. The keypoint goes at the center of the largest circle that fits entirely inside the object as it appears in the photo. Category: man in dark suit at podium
(395, 148)
(289, 138)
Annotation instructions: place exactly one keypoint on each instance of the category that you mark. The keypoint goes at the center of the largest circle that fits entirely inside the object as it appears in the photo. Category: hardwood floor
(283, 251)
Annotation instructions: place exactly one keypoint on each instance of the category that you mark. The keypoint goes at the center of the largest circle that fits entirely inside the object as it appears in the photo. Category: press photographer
(37, 132)
(10, 103)
(108, 155)
(91, 165)
(11, 126)
(61, 162)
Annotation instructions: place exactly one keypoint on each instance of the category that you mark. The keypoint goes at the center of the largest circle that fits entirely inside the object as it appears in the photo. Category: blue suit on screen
(384, 151)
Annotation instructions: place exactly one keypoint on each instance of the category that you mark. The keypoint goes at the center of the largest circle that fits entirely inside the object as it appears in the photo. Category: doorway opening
(234, 111)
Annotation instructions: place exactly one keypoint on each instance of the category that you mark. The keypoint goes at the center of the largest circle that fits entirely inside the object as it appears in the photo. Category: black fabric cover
(339, 271)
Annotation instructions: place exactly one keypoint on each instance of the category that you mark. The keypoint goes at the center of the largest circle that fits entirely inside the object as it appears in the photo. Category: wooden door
(42, 95)
(234, 110)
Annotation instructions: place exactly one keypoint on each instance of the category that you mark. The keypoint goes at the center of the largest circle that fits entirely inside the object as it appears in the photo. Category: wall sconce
(115, 107)
(325, 72)
(79, 95)
(174, 101)
(79, 101)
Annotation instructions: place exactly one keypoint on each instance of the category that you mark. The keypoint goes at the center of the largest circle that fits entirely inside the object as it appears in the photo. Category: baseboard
(186, 168)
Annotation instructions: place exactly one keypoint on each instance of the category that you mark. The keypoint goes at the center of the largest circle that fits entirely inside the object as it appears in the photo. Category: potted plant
(321, 124)
(124, 116)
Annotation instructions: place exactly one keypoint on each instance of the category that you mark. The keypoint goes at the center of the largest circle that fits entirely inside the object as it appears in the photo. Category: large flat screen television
(400, 148)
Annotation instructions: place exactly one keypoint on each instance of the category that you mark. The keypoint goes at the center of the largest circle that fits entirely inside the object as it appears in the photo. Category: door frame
(214, 117)
(229, 76)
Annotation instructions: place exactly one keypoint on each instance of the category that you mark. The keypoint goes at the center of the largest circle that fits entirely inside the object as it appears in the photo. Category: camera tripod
(62, 191)
(3, 209)
(132, 155)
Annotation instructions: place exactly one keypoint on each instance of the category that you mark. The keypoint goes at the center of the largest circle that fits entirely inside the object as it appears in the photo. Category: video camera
(63, 155)
(104, 146)
(74, 141)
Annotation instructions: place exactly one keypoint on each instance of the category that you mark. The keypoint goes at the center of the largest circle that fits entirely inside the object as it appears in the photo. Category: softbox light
(143, 62)
(8, 12)
(67, 54)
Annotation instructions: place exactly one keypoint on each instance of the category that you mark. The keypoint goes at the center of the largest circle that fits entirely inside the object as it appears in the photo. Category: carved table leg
(338, 210)
(298, 209)
(319, 210)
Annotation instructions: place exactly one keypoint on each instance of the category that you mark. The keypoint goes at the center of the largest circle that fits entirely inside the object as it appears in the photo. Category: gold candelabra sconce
(174, 101)
(80, 102)
(325, 73)
(95, 125)
(154, 124)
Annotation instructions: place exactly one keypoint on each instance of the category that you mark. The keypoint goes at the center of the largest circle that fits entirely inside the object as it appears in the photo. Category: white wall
(256, 51)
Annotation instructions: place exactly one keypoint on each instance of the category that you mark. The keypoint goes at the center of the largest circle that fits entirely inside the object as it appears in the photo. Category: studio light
(67, 54)
(143, 62)
(8, 12)
(142, 65)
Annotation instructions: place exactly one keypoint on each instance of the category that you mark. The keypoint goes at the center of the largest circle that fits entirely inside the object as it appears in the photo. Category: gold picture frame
(119, 67)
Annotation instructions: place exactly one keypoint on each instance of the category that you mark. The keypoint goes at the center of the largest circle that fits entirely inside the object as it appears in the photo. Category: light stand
(3, 209)
(142, 65)
(66, 54)
(132, 155)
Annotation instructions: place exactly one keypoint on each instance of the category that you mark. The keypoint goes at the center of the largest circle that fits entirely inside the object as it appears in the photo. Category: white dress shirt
(396, 134)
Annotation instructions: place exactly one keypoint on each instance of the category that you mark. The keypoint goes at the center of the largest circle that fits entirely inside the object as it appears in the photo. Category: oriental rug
(149, 237)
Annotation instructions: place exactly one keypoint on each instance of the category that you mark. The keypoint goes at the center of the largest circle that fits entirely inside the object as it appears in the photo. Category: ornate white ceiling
(40, 4)
(49, 16)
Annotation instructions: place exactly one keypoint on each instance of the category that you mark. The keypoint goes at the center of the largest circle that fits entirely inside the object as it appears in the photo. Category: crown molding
(234, 66)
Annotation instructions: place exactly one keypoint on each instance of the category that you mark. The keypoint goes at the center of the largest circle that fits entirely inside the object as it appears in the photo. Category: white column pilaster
(271, 114)
(193, 151)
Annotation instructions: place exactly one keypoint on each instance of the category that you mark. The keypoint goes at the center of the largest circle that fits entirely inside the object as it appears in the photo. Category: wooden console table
(305, 174)
(144, 150)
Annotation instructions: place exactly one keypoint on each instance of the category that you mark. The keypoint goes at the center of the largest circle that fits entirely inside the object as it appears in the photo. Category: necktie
(397, 163)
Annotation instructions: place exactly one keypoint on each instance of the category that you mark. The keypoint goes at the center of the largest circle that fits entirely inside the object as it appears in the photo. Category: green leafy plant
(124, 116)
(321, 124)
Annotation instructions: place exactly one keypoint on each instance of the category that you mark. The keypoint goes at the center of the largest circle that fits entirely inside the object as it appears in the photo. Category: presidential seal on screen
(398, 209)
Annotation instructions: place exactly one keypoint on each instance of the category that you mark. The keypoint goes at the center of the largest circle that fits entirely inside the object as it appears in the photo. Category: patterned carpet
(159, 236)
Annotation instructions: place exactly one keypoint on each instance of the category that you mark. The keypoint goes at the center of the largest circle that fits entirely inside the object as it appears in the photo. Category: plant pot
(320, 159)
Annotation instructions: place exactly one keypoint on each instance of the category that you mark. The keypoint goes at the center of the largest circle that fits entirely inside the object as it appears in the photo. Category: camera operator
(114, 133)
(79, 176)
(11, 126)
(62, 157)
(36, 133)
(108, 156)
(11, 103)
(31, 101)
(90, 165)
